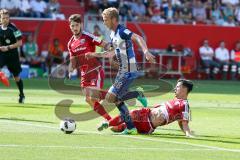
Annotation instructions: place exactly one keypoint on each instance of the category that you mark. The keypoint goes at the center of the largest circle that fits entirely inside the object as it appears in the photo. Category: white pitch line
(103, 148)
(135, 137)
(185, 143)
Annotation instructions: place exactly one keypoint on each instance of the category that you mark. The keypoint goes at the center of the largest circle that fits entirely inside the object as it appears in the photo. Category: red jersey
(91, 69)
(176, 109)
(87, 42)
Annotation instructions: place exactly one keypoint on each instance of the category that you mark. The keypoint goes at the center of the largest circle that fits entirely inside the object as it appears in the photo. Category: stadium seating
(70, 6)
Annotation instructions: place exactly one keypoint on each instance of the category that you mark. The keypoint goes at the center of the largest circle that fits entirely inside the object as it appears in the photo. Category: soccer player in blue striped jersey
(122, 43)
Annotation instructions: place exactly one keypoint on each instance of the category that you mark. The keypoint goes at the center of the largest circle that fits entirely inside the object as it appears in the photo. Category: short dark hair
(75, 18)
(187, 83)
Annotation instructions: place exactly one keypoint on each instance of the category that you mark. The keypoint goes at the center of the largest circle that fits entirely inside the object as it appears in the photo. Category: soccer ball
(68, 126)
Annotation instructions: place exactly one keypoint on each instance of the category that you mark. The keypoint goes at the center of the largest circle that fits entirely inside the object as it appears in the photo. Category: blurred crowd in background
(33, 8)
(214, 12)
(206, 12)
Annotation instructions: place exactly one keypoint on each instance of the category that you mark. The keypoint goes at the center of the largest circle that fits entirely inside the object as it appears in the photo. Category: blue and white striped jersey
(122, 43)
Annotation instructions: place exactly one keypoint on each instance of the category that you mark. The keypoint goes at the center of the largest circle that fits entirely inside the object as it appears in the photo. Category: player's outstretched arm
(107, 53)
(106, 46)
(142, 44)
(104, 54)
(185, 128)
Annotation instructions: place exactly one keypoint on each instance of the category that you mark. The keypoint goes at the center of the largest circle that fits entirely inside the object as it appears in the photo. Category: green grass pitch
(31, 131)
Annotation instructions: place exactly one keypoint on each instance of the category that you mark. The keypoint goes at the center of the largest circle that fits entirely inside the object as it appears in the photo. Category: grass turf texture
(31, 131)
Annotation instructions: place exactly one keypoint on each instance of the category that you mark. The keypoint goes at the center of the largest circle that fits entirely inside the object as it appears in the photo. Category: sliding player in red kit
(147, 119)
(92, 74)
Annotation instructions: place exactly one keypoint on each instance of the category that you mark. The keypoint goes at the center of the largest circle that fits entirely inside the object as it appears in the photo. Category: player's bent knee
(88, 100)
(91, 101)
(111, 98)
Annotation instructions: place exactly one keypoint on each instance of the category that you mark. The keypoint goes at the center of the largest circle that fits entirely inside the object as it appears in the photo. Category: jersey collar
(117, 28)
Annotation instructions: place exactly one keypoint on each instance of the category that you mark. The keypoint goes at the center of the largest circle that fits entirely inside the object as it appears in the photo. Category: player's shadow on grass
(25, 120)
(168, 129)
(218, 137)
(28, 106)
(197, 138)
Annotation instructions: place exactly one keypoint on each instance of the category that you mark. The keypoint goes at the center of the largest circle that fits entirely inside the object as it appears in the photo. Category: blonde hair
(75, 18)
(4, 12)
(111, 12)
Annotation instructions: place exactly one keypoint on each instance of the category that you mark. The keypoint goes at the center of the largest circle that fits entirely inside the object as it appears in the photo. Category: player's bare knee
(88, 100)
(91, 101)
(110, 98)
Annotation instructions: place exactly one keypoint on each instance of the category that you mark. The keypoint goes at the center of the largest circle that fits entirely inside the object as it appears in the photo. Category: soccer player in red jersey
(92, 73)
(147, 119)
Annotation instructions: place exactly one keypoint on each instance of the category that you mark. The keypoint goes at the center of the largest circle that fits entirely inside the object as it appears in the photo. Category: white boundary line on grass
(104, 148)
(133, 137)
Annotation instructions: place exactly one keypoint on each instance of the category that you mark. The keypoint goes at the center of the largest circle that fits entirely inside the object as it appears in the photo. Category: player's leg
(140, 118)
(20, 86)
(127, 80)
(111, 97)
(238, 70)
(93, 98)
(225, 67)
(207, 67)
(135, 94)
(216, 68)
(116, 91)
(113, 122)
(233, 70)
(119, 128)
(14, 67)
(94, 93)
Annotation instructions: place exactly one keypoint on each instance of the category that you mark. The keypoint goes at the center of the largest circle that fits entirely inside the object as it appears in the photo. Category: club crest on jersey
(82, 41)
(8, 41)
(176, 103)
(93, 82)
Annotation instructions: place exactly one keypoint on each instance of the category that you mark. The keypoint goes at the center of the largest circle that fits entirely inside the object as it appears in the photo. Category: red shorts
(94, 78)
(141, 120)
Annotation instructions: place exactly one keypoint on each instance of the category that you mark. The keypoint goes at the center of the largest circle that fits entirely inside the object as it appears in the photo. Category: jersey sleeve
(96, 40)
(16, 32)
(186, 112)
(125, 33)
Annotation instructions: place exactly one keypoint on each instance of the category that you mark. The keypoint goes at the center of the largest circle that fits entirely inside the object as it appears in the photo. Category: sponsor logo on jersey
(97, 39)
(79, 49)
(8, 41)
(17, 33)
(82, 41)
(177, 103)
(93, 82)
(127, 31)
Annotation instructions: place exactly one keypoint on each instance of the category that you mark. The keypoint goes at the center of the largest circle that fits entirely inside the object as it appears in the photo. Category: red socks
(116, 121)
(119, 128)
(101, 111)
